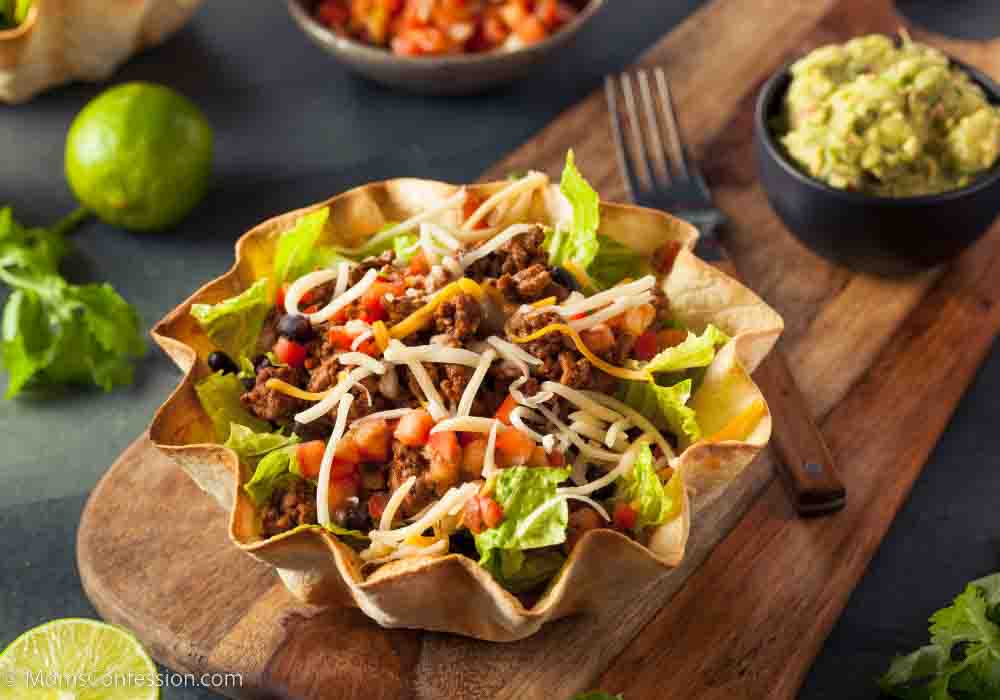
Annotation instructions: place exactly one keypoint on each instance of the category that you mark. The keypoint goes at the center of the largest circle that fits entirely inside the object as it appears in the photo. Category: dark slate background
(291, 128)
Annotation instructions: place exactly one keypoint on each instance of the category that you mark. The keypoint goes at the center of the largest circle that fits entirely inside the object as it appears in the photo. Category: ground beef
(272, 405)
(399, 307)
(377, 262)
(289, 508)
(662, 305)
(561, 361)
(515, 255)
(269, 332)
(531, 284)
(456, 378)
(407, 462)
(324, 374)
(459, 317)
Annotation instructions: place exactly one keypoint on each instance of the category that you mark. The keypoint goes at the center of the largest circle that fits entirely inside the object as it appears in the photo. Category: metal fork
(662, 175)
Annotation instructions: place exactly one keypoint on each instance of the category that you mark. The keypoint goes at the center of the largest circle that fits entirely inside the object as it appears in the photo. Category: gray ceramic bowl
(462, 74)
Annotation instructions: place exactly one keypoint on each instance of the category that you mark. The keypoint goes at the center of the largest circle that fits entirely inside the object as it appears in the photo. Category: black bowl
(883, 235)
(459, 74)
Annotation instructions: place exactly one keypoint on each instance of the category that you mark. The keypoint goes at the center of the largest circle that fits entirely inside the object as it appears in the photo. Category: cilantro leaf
(54, 332)
(963, 660)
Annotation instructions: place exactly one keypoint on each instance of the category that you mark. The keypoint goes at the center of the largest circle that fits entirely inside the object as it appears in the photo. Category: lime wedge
(77, 659)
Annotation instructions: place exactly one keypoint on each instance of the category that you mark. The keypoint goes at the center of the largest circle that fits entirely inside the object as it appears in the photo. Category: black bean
(248, 383)
(565, 278)
(317, 430)
(295, 327)
(601, 494)
(221, 362)
(260, 362)
(354, 516)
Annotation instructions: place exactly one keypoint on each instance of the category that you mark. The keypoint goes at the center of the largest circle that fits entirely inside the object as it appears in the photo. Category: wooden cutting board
(882, 362)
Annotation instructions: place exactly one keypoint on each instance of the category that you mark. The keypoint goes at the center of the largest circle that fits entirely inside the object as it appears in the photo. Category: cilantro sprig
(55, 332)
(962, 662)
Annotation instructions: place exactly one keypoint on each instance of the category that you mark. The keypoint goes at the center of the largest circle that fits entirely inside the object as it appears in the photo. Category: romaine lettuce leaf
(235, 324)
(251, 446)
(577, 242)
(521, 491)
(696, 351)
(405, 247)
(272, 472)
(665, 406)
(296, 249)
(220, 397)
(643, 490)
(614, 262)
(519, 571)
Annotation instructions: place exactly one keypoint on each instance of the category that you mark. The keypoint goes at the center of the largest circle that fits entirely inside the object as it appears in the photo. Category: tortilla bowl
(451, 593)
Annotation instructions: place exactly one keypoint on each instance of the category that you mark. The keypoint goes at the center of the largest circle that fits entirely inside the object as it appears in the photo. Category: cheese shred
(620, 372)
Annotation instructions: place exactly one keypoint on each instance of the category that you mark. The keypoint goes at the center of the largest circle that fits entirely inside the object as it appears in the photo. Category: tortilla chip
(451, 593)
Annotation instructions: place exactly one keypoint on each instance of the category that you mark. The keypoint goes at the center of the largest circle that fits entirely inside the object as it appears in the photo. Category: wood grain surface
(748, 610)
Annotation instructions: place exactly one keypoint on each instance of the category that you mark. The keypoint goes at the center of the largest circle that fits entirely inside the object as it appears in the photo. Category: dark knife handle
(805, 462)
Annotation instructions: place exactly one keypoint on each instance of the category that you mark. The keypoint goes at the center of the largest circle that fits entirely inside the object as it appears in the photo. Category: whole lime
(139, 156)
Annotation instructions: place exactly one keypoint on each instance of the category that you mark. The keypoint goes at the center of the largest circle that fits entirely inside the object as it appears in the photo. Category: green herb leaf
(220, 397)
(963, 660)
(696, 351)
(234, 325)
(642, 487)
(665, 406)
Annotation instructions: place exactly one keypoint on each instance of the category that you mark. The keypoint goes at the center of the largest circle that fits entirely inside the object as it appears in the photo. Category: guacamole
(894, 121)
(13, 12)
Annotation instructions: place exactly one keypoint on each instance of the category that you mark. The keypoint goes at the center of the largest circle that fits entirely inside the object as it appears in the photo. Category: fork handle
(804, 460)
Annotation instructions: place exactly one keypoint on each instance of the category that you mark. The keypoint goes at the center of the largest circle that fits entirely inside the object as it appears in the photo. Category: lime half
(77, 659)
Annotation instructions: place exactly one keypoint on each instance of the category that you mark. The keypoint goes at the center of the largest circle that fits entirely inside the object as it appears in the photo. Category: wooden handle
(805, 462)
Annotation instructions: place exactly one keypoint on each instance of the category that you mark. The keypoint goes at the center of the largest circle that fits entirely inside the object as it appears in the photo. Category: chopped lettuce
(272, 472)
(251, 446)
(519, 571)
(615, 262)
(220, 397)
(643, 489)
(576, 243)
(235, 324)
(665, 406)
(534, 517)
(696, 351)
(405, 247)
(296, 250)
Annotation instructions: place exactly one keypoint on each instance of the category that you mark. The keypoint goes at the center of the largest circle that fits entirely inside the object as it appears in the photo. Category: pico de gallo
(439, 27)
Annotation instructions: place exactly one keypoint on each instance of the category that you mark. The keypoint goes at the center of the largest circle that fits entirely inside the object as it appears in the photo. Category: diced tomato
(311, 309)
(347, 449)
(342, 469)
(341, 489)
(373, 313)
(531, 30)
(538, 457)
(373, 301)
(554, 13)
(339, 338)
(279, 299)
(414, 428)
(515, 445)
(376, 505)
(418, 264)
(495, 31)
(467, 438)
(445, 444)
(472, 203)
(646, 346)
(310, 457)
(556, 458)
(289, 352)
(473, 456)
(373, 439)
(670, 337)
(503, 413)
(472, 516)
(490, 510)
(599, 339)
(332, 13)
(624, 517)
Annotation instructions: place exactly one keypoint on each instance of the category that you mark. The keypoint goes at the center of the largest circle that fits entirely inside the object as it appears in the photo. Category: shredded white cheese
(403, 354)
(453, 202)
(320, 409)
(637, 419)
(455, 496)
(583, 401)
(616, 432)
(362, 360)
(323, 488)
(343, 278)
(591, 451)
(489, 459)
(525, 184)
(591, 502)
(481, 251)
(469, 395)
(396, 500)
(340, 302)
(303, 284)
(617, 308)
(513, 354)
(406, 551)
(466, 424)
(359, 339)
(596, 301)
(435, 404)
(625, 463)
(517, 420)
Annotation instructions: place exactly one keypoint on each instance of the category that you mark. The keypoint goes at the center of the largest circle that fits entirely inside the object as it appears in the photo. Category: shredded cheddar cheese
(422, 316)
(381, 335)
(620, 372)
(289, 390)
(547, 301)
(741, 425)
